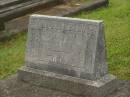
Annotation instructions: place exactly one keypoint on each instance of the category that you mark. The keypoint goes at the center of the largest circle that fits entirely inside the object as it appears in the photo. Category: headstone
(67, 46)
(67, 54)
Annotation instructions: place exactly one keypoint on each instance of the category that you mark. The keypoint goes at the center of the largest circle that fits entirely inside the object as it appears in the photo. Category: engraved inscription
(64, 43)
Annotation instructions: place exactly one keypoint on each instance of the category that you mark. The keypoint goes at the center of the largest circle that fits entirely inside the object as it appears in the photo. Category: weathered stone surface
(67, 46)
(67, 54)
(24, 8)
(58, 10)
(13, 88)
(72, 85)
(17, 25)
(6, 2)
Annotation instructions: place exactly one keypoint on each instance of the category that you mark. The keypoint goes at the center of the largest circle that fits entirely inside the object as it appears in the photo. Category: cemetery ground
(117, 30)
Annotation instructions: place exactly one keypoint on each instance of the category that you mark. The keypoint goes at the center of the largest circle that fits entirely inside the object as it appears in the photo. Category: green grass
(117, 30)
(12, 55)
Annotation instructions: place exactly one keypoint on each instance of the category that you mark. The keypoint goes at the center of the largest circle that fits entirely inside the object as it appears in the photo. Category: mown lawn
(12, 55)
(117, 30)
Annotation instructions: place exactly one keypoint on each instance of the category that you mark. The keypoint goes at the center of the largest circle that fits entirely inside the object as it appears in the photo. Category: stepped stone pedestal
(67, 54)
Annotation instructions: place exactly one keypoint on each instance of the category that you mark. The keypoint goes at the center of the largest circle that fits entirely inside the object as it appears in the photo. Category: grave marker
(67, 52)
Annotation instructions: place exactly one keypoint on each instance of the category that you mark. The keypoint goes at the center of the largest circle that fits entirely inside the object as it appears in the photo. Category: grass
(117, 30)
(12, 55)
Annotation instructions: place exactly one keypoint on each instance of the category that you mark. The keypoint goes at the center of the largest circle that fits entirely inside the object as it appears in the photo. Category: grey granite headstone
(68, 51)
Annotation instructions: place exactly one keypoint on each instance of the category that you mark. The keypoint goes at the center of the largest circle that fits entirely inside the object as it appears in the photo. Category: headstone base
(73, 85)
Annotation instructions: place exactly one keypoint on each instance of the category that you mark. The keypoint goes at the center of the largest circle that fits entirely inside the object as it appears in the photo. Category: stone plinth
(67, 54)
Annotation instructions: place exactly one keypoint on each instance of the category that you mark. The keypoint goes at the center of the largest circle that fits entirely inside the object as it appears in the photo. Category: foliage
(117, 29)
